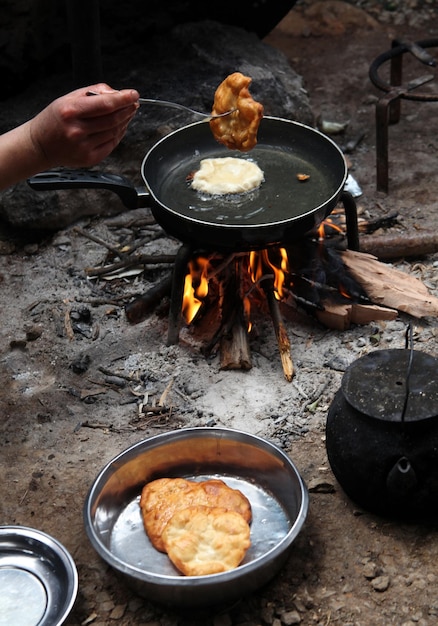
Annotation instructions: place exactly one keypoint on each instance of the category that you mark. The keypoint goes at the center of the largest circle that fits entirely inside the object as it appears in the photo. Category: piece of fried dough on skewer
(237, 131)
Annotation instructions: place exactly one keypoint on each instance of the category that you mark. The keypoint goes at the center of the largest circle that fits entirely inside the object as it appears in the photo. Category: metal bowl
(270, 480)
(38, 578)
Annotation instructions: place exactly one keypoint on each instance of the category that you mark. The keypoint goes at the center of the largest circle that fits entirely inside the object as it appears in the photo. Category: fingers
(103, 88)
(84, 117)
(110, 122)
(77, 130)
(106, 100)
(93, 148)
(99, 88)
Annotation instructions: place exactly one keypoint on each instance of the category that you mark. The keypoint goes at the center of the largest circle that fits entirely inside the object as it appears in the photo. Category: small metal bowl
(38, 578)
(270, 480)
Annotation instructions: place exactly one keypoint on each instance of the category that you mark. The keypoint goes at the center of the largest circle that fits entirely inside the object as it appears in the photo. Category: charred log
(234, 350)
(137, 310)
(234, 345)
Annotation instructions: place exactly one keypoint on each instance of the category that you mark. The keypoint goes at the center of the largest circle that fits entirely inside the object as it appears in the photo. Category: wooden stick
(340, 316)
(280, 330)
(140, 259)
(137, 310)
(98, 240)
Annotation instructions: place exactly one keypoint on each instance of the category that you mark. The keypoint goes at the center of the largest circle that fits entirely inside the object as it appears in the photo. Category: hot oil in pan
(280, 197)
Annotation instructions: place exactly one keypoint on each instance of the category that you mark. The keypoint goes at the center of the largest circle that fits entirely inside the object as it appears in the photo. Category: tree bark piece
(340, 316)
(390, 287)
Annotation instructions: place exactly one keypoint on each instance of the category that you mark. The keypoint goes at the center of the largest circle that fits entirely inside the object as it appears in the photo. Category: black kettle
(382, 433)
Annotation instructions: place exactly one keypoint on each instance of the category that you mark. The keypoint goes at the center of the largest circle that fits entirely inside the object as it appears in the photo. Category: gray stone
(381, 583)
(290, 617)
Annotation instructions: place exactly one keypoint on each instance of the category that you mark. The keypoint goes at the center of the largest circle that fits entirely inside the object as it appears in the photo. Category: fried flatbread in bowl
(263, 473)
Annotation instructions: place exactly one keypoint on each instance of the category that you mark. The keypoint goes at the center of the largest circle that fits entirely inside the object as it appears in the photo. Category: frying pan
(281, 211)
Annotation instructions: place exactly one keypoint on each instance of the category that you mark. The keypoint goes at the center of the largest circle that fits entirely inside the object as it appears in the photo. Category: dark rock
(24, 209)
(81, 364)
(186, 66)
(40, 37)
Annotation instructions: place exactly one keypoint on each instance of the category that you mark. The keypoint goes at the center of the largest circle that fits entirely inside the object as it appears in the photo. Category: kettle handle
(401, 479)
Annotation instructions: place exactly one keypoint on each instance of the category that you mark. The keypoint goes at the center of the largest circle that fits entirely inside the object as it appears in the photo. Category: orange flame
(260, 264)
(344, 292)
(195, 288)
(322, 228)
(247, 313)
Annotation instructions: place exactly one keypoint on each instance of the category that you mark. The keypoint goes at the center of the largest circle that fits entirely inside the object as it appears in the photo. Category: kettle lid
(393, 385)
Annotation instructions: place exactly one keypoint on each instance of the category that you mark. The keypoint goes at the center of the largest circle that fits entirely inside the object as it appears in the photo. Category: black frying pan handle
(86, 179)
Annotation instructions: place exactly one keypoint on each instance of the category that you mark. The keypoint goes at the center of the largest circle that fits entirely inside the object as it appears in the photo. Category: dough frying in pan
(237, 131)
(227, 175)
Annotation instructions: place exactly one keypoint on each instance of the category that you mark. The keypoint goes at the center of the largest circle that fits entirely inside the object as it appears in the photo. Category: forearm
(72, 131)
(19, 157)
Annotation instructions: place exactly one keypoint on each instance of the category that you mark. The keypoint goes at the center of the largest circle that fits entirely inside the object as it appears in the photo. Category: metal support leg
(396, 75)
(383, 108)
(351, 221)
(183, 256)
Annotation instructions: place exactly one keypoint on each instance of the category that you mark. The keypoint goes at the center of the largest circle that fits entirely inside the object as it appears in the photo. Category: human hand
(77, 130)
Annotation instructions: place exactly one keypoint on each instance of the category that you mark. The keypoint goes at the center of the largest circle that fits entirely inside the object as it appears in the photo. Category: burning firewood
(234, 351)
(336, 223)
(234, 345)
(280, 331)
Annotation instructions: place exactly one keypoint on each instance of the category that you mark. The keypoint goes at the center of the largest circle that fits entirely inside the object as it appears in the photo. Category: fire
(344, 292)
(260, 264)
(247, 312)
(260, 267)
(325, 227)
(195, 287)
(266, 269)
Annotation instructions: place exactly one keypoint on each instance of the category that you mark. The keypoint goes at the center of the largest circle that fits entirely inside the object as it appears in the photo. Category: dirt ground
(74, 371)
